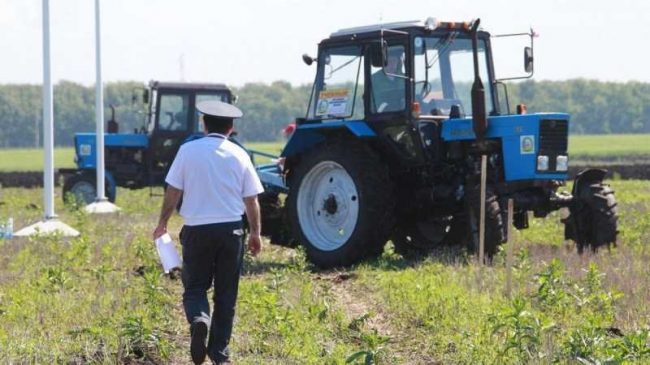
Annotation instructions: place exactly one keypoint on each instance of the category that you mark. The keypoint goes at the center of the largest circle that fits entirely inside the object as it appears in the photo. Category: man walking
(217, 182)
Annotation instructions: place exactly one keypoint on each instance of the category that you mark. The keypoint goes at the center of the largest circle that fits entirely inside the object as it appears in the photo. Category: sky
(242, 41)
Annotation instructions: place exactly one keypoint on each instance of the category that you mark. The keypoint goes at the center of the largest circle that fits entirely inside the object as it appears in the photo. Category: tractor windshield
(339, 87)
(444, 72)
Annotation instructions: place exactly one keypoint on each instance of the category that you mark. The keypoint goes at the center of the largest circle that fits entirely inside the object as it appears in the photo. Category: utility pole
(50, 222)
(101, 204)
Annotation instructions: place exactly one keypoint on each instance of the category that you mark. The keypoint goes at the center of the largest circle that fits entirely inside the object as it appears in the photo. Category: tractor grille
(553, 140)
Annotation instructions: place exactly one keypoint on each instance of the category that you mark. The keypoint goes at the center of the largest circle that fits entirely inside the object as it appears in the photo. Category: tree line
(595, 108)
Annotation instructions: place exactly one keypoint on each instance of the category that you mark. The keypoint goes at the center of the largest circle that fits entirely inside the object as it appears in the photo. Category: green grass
(102, 298)
(31, 159)
(610, 146)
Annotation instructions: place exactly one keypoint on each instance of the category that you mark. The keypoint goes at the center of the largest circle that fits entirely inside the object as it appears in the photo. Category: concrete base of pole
(47, 226)
(101, 207)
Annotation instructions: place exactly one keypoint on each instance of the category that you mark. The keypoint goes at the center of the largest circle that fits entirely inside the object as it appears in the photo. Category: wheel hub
(330, 205)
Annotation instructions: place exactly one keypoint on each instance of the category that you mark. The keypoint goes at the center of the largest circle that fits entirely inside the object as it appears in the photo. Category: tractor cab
(395, 75)
(172, 117)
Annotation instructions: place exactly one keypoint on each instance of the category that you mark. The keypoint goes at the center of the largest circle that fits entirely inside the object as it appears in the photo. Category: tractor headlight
(562, 163)
(542, 163)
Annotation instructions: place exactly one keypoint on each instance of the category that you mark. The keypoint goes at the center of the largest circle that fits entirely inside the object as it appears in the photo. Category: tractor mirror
(528, 59)
(145, 96)
(307, 59)
(235, 99)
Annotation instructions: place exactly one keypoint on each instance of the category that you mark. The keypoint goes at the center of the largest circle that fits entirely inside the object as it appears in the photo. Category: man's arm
(172, 196)
(255, 224)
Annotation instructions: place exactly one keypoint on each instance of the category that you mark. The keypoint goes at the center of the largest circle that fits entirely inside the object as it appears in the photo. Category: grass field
(618, 147)
(102, 298)
(612, 145)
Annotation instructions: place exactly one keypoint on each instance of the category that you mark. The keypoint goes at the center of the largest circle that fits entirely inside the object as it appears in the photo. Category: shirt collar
(216, 135)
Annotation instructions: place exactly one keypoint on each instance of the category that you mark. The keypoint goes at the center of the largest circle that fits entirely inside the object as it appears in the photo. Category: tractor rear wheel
(340, 203)
(593, 221)
(81, 188)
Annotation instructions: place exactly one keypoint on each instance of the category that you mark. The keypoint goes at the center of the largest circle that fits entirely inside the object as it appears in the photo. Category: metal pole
(48, 121)
(510, 243)
(481, 231)
(99, 109)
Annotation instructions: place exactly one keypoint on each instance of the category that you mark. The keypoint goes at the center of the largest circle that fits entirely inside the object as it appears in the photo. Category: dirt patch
(25, 179)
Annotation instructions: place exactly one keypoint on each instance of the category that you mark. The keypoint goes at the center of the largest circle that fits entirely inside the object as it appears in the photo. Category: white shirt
(215, 176)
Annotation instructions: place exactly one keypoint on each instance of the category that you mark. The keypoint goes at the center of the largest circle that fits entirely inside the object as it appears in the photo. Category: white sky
(239, 41)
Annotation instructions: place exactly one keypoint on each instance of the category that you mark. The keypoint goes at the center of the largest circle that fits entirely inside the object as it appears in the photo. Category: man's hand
(172, 196)
(254, 244)
(159, 231)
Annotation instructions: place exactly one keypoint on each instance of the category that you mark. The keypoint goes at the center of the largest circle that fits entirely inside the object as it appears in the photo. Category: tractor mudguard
(308, 135)
(585, 177)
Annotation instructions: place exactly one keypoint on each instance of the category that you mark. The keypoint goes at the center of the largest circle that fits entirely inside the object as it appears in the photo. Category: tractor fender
(586, 177)
(306, 136)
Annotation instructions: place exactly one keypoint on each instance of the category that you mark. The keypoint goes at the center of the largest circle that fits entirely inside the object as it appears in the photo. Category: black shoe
(199, 332)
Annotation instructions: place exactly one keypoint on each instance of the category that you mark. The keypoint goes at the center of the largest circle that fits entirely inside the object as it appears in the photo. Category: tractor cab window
(388, 92)
(204, 97)
(173, 113)
(444, 72)
(339, 87)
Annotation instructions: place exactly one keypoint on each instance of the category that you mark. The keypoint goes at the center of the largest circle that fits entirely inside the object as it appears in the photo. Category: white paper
(167, 251)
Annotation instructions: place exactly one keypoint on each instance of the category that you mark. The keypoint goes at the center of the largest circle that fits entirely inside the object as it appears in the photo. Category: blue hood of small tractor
(86, 149)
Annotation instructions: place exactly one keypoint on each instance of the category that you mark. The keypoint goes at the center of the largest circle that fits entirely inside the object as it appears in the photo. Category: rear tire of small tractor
(494, 227)
(341, 203)
(82, 187)
(275, 224)
(593, 221)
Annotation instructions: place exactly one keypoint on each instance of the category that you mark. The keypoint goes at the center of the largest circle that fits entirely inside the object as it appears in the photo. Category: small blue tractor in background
(392, 143)
(142, 158)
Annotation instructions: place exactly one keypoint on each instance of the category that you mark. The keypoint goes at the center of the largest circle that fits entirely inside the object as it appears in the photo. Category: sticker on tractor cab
(527, 145)
(332, 102)
(84, 150)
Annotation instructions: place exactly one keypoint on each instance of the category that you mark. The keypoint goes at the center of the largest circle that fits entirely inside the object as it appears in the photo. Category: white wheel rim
(84, 191)
(328, 206)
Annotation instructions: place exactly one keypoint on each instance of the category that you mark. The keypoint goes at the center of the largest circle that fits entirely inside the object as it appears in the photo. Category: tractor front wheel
(495, 230)
(81, 188)
(593, 221)
(340, 203)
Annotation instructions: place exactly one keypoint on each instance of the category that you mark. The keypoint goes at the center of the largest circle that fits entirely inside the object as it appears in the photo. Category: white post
(50, 223)
(48, 119)
(481, 231)
(99, 108)
(101, 204)
(510, 243)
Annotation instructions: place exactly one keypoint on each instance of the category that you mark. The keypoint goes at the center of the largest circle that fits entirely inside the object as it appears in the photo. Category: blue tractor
(142, 158)
(390, 149)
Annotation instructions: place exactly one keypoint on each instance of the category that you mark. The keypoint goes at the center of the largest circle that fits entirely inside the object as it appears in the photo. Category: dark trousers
(212, 254)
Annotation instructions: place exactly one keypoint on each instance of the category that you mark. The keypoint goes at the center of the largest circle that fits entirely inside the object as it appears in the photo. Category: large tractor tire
(495, 230)
(341, 203)
(593, 219)
(81, 188)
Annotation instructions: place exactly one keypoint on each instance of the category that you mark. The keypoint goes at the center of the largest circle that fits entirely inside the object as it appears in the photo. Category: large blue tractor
(141, 158)
(392, 143)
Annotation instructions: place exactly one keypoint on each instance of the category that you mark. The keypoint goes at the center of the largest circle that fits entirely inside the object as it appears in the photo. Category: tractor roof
(430, 24)
(187, 86)
(377, 27)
